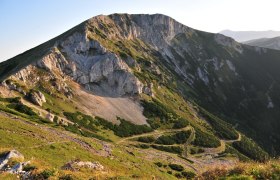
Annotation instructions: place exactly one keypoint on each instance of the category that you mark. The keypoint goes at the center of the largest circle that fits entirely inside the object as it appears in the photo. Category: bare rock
(148, 89)
(9, 155)
(37, 98)
(77, 164)
(50, 117)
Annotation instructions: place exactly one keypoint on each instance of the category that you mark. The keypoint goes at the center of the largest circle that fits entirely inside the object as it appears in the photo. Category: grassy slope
(47, 151)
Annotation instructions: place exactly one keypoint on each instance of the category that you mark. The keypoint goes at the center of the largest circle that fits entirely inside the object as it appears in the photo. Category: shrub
(223, 129)
(143, 146)
(205, 139)
(188, 174)
(178, 138)
(125, 128)
(66, 177)
(82, 120)
(155, 109)
(182, 136)
(146, 139)
(55, 119)
(22, 108)
(231, 150)
(181, 123)
(178, 175)
(29, 167)
(176, 167)
(11, 100)
(159, 164)
(47, 173)
(167, 140)
(249, 148)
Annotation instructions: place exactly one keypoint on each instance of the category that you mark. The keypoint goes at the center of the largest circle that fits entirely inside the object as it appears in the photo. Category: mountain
(242, 36)
(271, 43)
(142, 96)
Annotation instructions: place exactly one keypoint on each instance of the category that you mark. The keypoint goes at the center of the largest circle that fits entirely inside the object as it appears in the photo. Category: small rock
(77, 164)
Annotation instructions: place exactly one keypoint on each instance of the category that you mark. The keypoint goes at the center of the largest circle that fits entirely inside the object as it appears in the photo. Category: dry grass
(251, 170)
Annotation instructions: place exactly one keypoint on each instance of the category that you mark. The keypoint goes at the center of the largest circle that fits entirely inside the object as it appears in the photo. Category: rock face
(91, 65)
(37, 98)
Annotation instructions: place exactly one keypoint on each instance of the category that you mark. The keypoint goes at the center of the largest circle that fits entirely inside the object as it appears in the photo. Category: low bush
(10, 100)
(188, 174)
(46, 174)
(125, 128)
(166, 140)
(249, 148)
(176, 167)
(233, 151)
(146, 139)
(66, 177)
(205, 139)
(181, 123)
(82, 120)
(156, 110)
(178, 138)
(22, 108)
(159, 164)
(29, 167)
(223, 129)
(142, 146)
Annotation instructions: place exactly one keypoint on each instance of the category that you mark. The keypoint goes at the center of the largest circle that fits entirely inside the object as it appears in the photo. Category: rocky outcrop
(228, 42)
(76, 165)
(13, 154)
(18, 167)
(50, 117)
(10, 85)
(36, 97)
(97, 69)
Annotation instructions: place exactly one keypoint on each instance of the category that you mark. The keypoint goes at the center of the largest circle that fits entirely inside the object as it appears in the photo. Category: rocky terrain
(144, 92)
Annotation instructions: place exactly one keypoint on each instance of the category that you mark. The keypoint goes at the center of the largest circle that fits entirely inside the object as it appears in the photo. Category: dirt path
(220, 149)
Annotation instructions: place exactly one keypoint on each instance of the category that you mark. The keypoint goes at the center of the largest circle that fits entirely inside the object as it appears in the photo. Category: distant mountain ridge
(271, 43)
(242, 36)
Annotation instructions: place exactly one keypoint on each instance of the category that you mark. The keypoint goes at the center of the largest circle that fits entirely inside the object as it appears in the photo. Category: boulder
(6, 157)
(50, 117)
(37, 98)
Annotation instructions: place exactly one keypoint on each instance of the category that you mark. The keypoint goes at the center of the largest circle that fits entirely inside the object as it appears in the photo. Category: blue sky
(25, 24)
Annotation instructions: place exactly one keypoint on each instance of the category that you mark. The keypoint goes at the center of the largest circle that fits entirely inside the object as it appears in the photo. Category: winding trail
(154, 133)
(201, 161)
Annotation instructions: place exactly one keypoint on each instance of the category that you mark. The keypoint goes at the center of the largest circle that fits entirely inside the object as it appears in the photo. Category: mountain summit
(153, 80)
